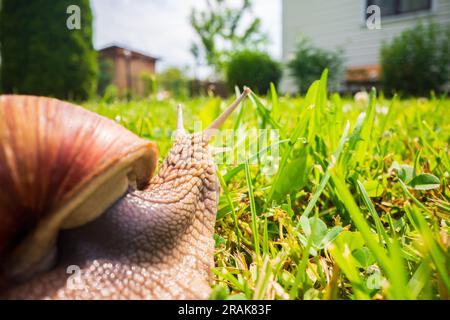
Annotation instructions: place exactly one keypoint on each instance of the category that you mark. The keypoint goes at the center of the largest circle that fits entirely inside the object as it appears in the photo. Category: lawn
(356, 206)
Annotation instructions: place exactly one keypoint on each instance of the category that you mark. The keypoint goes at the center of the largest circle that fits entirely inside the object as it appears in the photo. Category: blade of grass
(414, 199)
(251, 197)
(300, 276)
(346, 263)
(395, 273)
(437, 256)
(226, 192)
(275, 103)
(321, 98)
(293, 139)
(420, 279)
(263, 279)
(234, 171)
(367, 128)
(326, 177)
(265, 238)
(380, 229)
(265, 113)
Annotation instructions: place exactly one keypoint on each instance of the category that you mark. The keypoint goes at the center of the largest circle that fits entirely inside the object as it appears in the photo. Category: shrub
(105, 75)
(110, 94)
(148, 81)
(417, 61)
(309, 62)
(41, 56)
(173, 80)
(254, 69)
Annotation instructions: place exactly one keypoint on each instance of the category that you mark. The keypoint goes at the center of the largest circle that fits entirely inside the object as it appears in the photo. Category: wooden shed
(128, 68)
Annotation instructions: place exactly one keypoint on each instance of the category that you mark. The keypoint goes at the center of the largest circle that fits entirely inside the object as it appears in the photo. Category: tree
(221, 32)
(40, 53)
(417, 61)
(309, 62)
(106, 74)
(174, 79)
(254, 69)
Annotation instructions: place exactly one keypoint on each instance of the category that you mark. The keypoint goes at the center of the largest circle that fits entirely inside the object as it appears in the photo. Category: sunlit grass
(358, 207)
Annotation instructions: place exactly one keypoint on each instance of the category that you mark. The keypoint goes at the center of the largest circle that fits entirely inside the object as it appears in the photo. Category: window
(398, 7)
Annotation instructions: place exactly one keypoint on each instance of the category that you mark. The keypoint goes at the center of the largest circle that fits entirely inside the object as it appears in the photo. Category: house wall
(138, 66)
(341, 23)
(120, 80)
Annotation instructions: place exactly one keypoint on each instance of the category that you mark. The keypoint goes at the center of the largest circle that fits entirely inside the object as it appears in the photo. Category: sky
(161, 27)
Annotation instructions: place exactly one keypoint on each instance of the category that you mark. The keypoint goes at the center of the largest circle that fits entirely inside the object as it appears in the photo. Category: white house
(343, 23)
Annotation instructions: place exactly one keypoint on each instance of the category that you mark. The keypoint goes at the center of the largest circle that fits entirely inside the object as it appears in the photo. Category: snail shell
(60, 167)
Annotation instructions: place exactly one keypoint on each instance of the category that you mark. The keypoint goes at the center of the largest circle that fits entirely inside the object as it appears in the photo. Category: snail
(82, 217)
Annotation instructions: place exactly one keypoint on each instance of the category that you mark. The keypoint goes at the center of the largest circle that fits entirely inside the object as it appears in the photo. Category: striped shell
(60, 166)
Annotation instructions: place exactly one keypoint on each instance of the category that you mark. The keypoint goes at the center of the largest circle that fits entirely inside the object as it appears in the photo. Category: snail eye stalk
(216, 124)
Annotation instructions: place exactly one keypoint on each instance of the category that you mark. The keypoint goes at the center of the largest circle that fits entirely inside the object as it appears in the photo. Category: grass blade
(251, 197)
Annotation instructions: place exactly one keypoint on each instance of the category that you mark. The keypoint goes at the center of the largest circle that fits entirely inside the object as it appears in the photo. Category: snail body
(81, 216)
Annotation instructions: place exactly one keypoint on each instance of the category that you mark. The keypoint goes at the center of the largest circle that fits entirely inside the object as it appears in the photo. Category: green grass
(357, 208)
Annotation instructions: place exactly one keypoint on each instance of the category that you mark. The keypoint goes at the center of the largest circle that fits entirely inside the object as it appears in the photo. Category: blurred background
(119, 49)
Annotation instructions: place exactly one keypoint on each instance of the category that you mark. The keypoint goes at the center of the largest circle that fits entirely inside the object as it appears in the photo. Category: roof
(122, 49)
